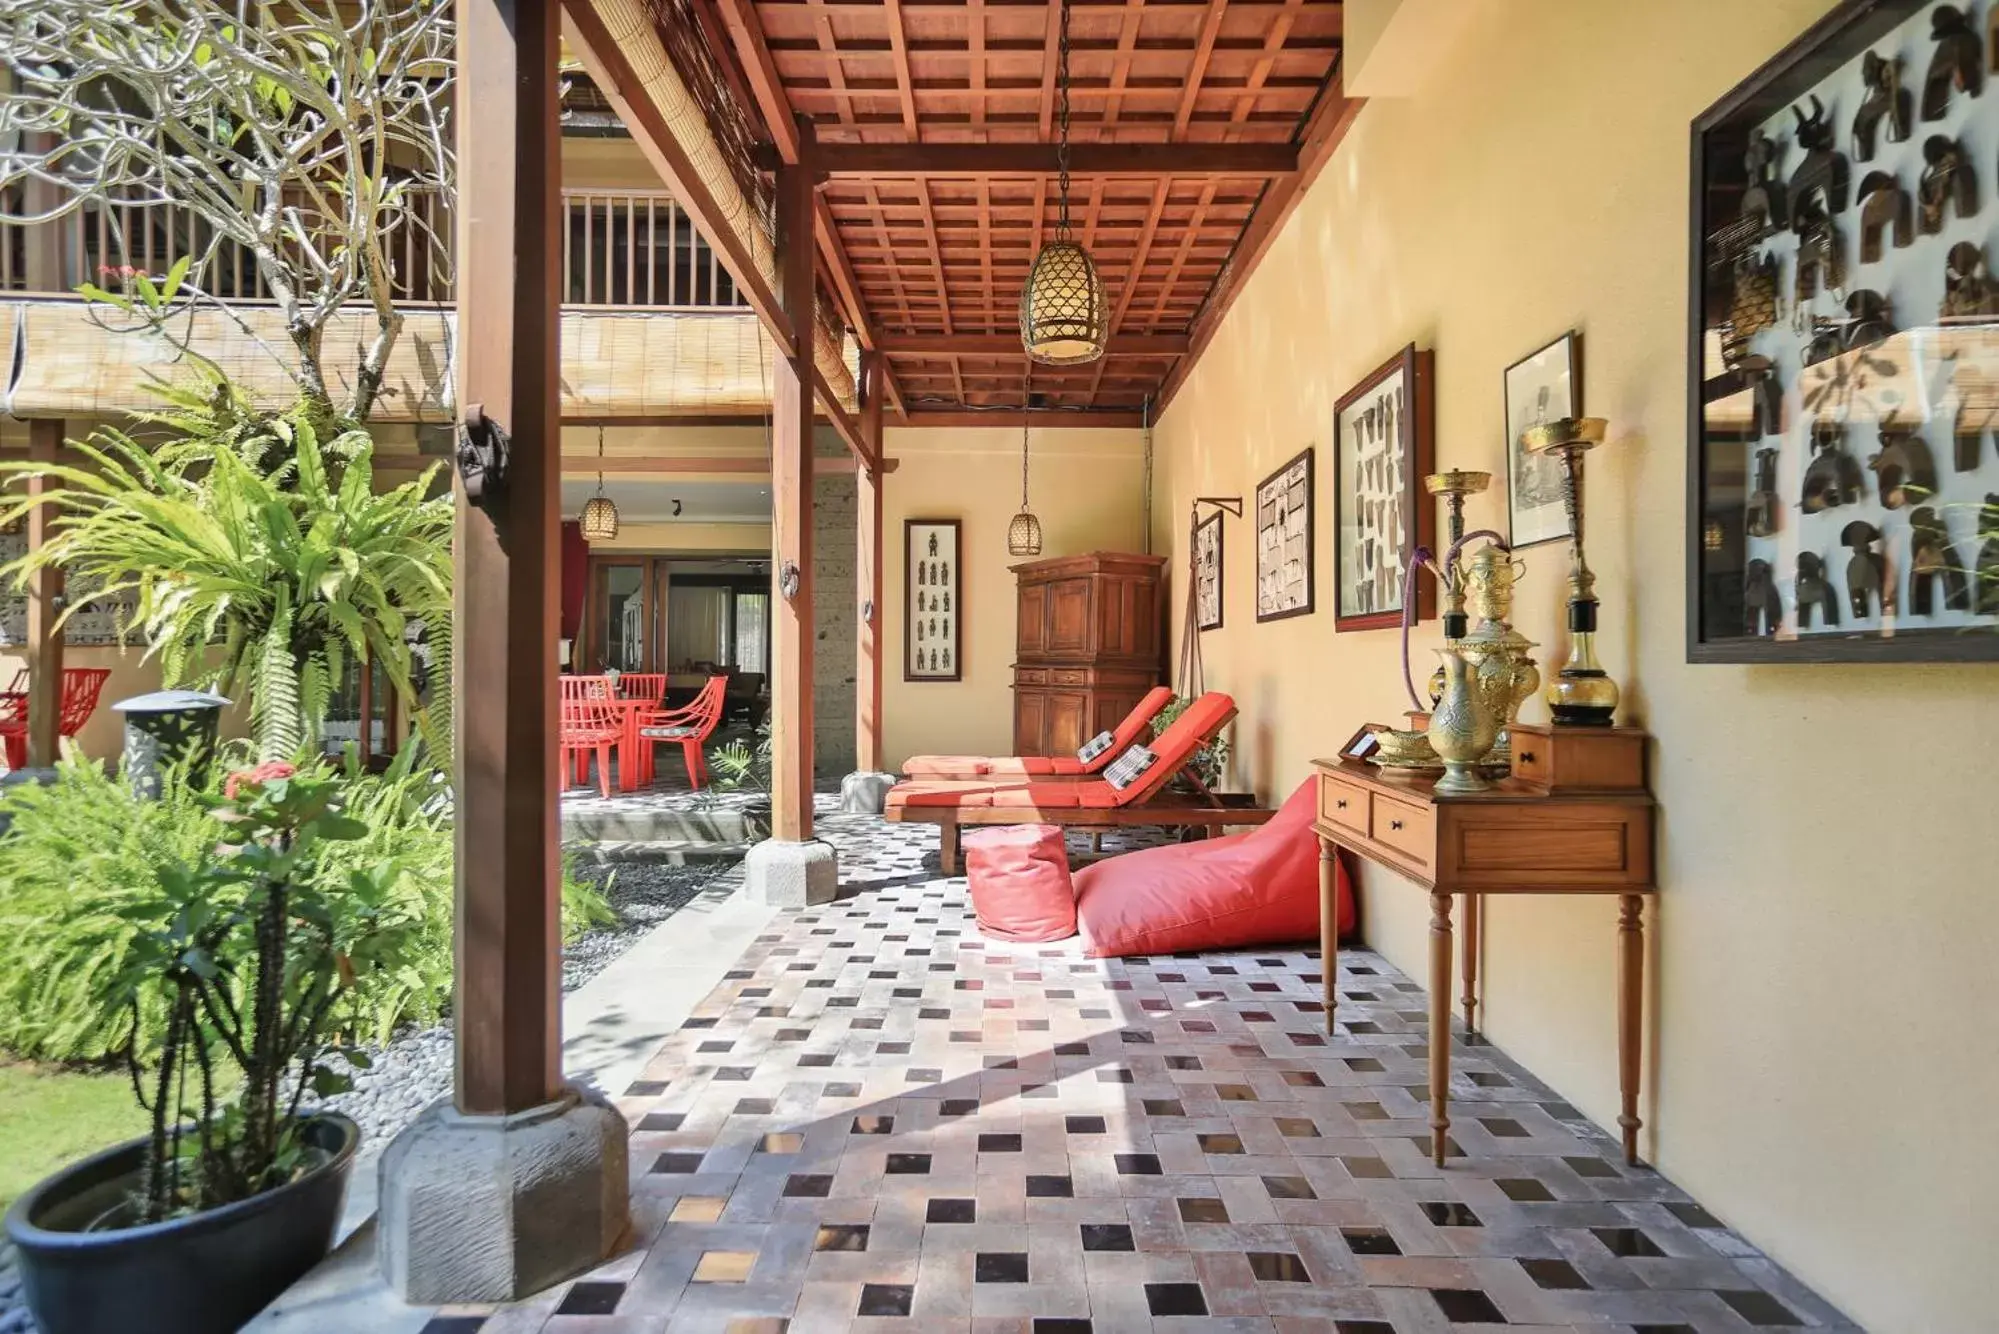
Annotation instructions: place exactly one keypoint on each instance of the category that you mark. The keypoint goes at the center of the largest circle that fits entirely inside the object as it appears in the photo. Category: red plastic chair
(689, 727)
(81, 687)
(590, 725)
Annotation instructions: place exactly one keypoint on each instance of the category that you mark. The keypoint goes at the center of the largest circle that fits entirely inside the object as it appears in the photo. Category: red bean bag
(1020, 882)
(1258, 888)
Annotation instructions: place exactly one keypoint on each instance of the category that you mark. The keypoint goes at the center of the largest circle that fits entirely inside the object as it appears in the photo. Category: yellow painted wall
(674, 538)
(1086, 490)
(1822, 1021)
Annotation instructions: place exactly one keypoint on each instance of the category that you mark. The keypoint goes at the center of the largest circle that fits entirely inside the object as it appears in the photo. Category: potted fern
(236, 1191)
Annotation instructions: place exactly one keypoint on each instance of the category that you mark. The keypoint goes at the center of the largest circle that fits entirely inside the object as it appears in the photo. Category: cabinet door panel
(1068, 717)
(1030, 722)
(1032, 634)
(1069, 616)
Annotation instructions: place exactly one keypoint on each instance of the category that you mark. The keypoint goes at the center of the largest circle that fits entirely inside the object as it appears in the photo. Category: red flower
(268, 772)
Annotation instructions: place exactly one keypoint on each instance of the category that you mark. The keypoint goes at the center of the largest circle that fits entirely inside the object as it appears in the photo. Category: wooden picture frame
(1383, 445)
(933, 600)
(1207, 557)
(1795, 552)
(1285, 535)
(1544, 385)
(1364, 742)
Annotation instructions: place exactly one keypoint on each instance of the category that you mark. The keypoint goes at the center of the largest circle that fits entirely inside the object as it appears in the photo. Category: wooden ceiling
(1194, 125)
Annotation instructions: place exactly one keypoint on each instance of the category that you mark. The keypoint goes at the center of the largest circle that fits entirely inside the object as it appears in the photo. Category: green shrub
(84, 854)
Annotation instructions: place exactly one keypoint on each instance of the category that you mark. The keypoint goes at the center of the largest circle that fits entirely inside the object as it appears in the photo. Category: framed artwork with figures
(1381, 448)
(1284, 541)
(1208, 572)
(933, 601)
(1543, 386)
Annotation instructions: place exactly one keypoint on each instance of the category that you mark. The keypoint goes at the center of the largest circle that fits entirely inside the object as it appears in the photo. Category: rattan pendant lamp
(600, 516)
(1023, 535)
(1062, 308)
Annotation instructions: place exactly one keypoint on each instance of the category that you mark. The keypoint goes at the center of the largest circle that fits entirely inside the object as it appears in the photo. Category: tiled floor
(880, 1121)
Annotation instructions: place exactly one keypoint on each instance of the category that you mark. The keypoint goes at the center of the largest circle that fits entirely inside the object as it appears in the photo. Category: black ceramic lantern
(166, 728)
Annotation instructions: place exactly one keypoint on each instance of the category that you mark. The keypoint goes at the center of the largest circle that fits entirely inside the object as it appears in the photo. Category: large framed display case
(1843, 360)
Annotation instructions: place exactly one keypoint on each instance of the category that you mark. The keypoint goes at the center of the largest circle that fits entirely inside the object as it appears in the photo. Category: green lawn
(51, 1115)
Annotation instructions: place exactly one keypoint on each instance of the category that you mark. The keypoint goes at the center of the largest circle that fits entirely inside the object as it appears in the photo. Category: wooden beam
(1204, 49)
(1008, 345)
(905, 86)
(45, 638)
(508, 870)
(753, 56)
(792, 630)
(868, 577)
(1328, 124)
(1012, 417)
(701, 465)
(615, 78)
(844, 424)
(1258, 161)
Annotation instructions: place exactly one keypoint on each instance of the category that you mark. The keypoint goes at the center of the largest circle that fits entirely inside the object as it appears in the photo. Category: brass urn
(1507, 675)
(1465, 721)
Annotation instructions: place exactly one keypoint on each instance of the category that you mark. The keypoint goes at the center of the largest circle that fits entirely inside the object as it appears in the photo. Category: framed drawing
(1284, 541)
(933, 601)
(1842, 337)
(1208, 572)
(1381, 450)
(1540, 387)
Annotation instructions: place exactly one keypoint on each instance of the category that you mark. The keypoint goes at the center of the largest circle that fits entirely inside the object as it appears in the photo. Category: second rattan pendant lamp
(1062, 308)
(1023, 535)
(600, 515)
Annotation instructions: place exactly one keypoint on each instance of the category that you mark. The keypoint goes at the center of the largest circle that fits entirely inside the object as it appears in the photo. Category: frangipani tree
(301, 135)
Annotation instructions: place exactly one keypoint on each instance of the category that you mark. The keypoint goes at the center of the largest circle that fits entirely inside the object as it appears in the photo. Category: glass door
(618, 633)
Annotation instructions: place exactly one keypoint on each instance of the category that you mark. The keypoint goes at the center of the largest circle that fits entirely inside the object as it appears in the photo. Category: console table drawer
(1410, 830)
(1343, 804)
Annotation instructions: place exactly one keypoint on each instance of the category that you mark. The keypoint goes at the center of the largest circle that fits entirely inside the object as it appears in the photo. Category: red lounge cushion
(1176, 745)
(1258, 888)
(1019, 877)
(947, 766)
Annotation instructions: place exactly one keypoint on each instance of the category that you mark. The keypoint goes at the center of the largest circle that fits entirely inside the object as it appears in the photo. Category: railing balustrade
(624, 248)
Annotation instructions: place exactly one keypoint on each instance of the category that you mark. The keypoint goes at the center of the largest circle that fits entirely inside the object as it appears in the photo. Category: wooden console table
(1574, 818)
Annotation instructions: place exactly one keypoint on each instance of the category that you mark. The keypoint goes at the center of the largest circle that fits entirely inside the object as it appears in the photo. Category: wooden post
(44, 605)
(791, 509)
(867, 646)
(508, 557)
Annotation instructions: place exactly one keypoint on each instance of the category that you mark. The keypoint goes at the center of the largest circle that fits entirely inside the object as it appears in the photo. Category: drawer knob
(1394, 824)
(1526, 757)
(1341, 803)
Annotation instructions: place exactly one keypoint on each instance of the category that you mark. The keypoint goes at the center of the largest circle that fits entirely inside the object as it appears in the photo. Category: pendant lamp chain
(1062, 132)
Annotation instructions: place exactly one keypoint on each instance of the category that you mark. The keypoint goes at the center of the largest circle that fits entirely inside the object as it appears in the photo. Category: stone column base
(864, 793)
(779, 874)
(494, 1208)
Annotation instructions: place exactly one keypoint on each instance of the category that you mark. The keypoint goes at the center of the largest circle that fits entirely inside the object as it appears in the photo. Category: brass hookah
(1582, 693)
(1410, 747)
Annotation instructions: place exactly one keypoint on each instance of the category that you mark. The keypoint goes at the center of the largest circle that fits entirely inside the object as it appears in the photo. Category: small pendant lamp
(1023, 535)
(600, 516)
(1063, 313)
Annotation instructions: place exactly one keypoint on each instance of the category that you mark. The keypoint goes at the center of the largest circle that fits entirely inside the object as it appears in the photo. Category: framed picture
(1364, 742)
(933, 601)
(1208, 572)
(1540, 387)
(1843, 348)
(1284, 541)
(1381, 514)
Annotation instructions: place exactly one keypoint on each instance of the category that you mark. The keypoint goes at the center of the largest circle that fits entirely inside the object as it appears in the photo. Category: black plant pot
(205, 1274)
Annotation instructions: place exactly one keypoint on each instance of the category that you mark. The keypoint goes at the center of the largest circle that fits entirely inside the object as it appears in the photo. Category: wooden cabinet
(1089, 642)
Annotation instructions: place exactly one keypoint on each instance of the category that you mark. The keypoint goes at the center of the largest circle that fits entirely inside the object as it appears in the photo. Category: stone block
(864, 793)
(494, 1208)
(782, 874)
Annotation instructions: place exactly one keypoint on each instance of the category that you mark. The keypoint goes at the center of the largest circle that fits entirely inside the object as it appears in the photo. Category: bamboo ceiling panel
(935, 254)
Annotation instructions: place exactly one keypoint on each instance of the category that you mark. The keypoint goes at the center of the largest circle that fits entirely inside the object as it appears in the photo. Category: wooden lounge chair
(1137, 725)
(1088, 803)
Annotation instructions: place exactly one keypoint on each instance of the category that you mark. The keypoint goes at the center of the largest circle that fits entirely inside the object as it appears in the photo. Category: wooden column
(791, 509)
(508, 557)
(44, 605)
(868, 575)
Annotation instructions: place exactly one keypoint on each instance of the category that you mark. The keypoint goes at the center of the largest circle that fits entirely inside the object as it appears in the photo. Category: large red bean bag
(1020, 884)
(1258, 888)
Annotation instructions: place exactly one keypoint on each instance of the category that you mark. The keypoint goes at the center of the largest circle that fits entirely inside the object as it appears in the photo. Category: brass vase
(1464, 723)
(1508, 676)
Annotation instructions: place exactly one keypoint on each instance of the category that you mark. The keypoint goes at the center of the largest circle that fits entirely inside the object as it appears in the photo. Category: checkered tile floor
(880, 1121)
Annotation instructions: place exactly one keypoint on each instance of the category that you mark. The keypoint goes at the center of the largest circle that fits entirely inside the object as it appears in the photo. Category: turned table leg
(1630, 1011)
(1329, 925)
(1474, 924)
(1440, 1024)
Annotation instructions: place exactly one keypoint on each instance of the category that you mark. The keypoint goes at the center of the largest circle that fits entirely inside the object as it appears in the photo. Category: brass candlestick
(1582, 692)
